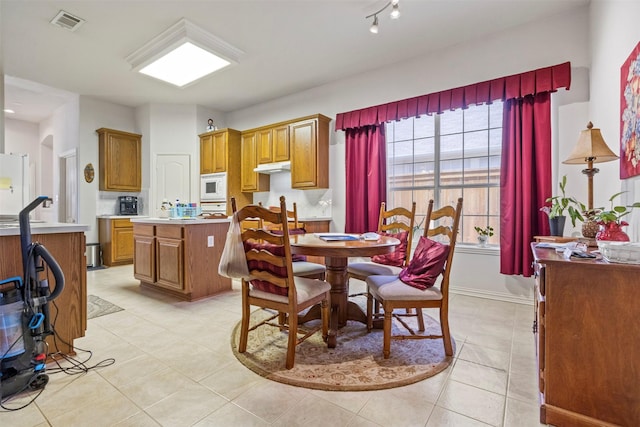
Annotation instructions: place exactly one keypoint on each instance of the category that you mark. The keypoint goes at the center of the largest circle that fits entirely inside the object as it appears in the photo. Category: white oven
(209, 208)
(213, 187)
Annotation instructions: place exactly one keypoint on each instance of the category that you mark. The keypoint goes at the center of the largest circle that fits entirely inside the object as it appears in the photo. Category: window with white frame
(446, 156)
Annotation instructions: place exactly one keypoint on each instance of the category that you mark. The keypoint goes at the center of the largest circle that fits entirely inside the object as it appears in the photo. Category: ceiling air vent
(67, 21)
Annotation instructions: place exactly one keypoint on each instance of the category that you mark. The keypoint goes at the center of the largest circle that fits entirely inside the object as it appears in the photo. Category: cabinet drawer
(122, 223)
(172, 232)
(144, 229)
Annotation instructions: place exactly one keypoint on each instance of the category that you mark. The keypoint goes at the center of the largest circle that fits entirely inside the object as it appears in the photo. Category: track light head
(374, 25)
(395, 12)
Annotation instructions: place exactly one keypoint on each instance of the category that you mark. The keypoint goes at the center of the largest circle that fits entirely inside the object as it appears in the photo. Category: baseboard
(491, 295)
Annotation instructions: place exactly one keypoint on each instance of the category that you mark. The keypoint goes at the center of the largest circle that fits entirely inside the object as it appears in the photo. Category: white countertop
(148, 220)
(120, 216)
(12, 229)
(315, 218)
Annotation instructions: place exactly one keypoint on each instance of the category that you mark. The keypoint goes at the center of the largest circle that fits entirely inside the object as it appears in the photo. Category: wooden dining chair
(301, 267)
(399, 222)
(414, 287)
(272, 284)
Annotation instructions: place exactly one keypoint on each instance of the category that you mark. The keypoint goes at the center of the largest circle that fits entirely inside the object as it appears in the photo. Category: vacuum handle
(25, 227)
(58, 275)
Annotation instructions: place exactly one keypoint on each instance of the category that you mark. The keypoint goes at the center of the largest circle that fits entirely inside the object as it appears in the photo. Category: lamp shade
(590, 147)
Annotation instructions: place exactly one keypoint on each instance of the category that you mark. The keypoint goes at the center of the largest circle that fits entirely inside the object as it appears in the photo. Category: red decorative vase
(612, 231)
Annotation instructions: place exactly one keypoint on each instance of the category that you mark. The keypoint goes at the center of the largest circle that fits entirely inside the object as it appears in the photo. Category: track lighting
(395, 14)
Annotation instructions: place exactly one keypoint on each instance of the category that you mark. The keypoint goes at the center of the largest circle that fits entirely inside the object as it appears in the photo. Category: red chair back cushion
(396, 257)
(294, 231)
(426, 265)
(263, 285)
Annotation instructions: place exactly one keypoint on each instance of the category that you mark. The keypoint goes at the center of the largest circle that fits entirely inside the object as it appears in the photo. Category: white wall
(614, 34)
(173, 130)
(96, 114)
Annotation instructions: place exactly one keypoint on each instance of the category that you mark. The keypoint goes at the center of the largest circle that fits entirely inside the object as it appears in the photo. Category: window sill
(470, 248)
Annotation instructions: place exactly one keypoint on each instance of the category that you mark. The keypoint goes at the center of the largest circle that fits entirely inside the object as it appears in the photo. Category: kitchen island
(66, 243)
(180, 257)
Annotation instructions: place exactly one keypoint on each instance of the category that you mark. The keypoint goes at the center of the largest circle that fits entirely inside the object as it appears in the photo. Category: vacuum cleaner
(24, 314)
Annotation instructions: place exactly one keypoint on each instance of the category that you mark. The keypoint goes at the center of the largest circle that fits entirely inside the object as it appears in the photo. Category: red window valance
(547, 79)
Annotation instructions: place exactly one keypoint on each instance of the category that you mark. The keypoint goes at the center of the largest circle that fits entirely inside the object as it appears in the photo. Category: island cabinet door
(144, 253)
(170, 263)
(144, 267)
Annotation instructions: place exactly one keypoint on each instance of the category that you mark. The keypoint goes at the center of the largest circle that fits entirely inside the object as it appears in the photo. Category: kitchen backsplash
(310, 203)
(107, 202)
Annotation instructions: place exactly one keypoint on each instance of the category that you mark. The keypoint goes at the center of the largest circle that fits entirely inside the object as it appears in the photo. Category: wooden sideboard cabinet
(178, 258)
(587, 341)
(120, 160)
(116, 240)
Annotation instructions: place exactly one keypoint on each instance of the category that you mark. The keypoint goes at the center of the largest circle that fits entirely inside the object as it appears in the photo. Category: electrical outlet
(210, 241)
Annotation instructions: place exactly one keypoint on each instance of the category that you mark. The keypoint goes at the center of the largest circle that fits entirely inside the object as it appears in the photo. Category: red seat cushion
(426, 265)
(396, 257)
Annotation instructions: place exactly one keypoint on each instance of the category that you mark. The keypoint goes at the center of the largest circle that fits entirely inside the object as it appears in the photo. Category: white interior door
(173, 179)
(69, 187)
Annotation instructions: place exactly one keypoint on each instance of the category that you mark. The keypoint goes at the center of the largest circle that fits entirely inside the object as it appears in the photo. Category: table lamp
(590, 149)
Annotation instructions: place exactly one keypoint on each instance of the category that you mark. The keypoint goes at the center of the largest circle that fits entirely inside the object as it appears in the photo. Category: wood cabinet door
(264, 146)
(304, 171)
(206, 154)
(170, 263)
(280, 136)
(120, 161)
(219, 152)
(251, 180)
(123, 244)
(144, 266)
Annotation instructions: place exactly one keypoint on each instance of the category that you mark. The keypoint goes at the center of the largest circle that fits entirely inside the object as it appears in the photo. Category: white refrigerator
(14, 184)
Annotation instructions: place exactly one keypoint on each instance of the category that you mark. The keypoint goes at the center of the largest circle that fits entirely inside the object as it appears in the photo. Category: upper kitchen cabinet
(120, 160)
(213, 150)
(309, 140)
(273, 144)
(251, 181)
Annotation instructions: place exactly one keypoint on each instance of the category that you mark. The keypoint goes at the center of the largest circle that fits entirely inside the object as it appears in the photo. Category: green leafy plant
(615, 213)
(486, 231)
(558, 203)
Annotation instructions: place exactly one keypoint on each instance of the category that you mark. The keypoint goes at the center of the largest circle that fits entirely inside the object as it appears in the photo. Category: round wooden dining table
(336, 254)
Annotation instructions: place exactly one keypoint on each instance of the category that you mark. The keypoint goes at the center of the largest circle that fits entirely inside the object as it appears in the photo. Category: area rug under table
(355, 364)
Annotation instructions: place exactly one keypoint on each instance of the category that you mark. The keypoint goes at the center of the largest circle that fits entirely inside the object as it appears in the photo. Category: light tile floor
(174, 367)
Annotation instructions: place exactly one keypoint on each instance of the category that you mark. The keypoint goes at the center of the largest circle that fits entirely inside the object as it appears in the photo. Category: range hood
(270, 168)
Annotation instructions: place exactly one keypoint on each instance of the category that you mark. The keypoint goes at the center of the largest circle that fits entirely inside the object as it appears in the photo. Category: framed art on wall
(630, 115)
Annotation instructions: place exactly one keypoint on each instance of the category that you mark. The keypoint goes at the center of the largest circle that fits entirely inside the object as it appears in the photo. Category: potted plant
(557, 209)
(611, 222)
(484, 234)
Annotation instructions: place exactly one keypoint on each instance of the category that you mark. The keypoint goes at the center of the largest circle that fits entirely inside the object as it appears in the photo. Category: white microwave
(213, 187)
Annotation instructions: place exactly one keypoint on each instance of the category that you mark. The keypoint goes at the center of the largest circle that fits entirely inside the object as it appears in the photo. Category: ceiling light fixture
(183, 54)
(9, 111)
(395, 14)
